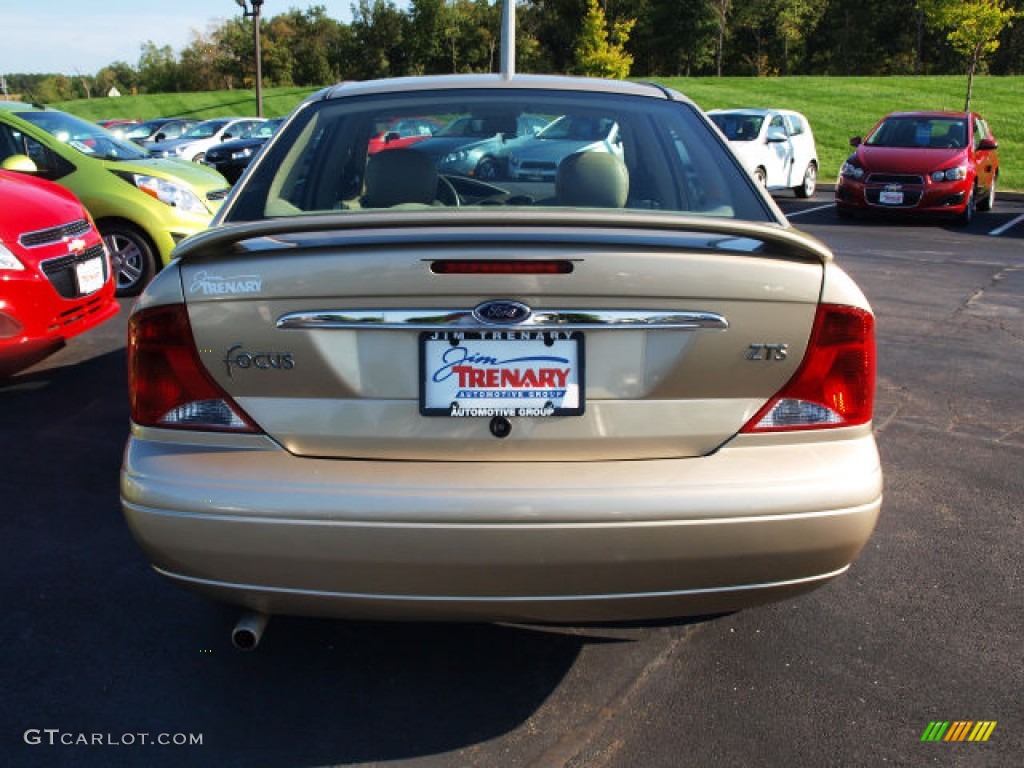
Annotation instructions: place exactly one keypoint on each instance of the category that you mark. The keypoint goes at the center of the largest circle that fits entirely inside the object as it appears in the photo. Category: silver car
(371, 390)
(538, 157)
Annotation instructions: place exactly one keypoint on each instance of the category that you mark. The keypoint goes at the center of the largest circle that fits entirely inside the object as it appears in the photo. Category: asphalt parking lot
(103, 659)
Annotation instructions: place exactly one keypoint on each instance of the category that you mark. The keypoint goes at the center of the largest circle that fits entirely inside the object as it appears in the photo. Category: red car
(940, 163)
(55, 276)
(402, 133)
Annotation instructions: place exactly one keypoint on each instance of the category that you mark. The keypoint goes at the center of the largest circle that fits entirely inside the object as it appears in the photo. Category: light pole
(254, 14)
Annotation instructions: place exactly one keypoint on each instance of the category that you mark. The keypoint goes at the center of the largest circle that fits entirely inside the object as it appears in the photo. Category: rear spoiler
(554, 227)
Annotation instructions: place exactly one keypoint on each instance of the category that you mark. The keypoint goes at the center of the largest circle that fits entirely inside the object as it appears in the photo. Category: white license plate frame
(89, 276)
(515, 374)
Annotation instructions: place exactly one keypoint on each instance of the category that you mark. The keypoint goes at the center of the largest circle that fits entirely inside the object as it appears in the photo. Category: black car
(230, 158)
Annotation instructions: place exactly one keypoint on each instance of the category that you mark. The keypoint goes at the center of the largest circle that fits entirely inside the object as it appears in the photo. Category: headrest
(395, 176)
(592, 180)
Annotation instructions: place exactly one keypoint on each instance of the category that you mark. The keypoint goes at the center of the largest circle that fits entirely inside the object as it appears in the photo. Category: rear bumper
(557, 542)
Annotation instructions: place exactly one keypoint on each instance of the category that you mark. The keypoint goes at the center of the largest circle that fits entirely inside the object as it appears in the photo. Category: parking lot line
(810, 210)
(1008, 225)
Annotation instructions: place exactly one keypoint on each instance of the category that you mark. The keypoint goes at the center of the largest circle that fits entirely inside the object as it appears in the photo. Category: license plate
(891, 198)
(501, 373)
(89, 275)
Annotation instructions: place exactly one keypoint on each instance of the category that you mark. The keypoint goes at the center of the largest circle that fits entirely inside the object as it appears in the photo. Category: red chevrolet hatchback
(55, 276)
(939, 163)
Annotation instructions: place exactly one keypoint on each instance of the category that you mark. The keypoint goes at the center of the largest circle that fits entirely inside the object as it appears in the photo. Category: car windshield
(738, 126)
(89, 139)
(470, 126)
(266, 130)
(577, 128)
(142, 130)
(204, 130)
(920, 132)
(659, 155)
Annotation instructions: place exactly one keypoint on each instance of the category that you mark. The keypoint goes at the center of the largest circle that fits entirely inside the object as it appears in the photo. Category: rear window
(641, 154)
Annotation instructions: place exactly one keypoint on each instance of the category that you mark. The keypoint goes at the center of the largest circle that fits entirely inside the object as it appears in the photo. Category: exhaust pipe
(249, 629)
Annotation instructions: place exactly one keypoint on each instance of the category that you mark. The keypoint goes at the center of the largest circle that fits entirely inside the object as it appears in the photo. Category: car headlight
(168, 192)
(455, 157)
(8, 260)
(851, 171)
(242, 154)
(950, 174)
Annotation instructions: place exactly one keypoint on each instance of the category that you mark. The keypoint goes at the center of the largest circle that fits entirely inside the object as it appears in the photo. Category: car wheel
(487, 170)
(990, 199)
(131, 256)
(968, 215)
(199, 158)
(761, 177)
(810, 182)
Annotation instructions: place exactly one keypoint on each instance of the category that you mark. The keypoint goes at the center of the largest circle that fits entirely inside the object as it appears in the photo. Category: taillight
(167, 384)
(835, 384)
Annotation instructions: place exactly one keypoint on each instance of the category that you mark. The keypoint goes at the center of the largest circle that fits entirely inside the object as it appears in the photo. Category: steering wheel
(447, 193)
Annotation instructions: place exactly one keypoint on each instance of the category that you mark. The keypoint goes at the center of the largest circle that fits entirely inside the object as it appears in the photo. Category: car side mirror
(775, 135)
(856, 141)
(392, 136)
(227, 136)
(988, 144)
(160, 137)
(19, 163)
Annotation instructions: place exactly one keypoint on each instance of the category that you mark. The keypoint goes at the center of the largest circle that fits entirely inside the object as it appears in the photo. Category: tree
(973, 28)
(118, 75)
(796, 19)
(721, 9)
(599, 53)
(380, 33)
(159, 71)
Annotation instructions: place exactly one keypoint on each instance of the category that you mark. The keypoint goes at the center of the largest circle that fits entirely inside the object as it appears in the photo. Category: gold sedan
(372, 390)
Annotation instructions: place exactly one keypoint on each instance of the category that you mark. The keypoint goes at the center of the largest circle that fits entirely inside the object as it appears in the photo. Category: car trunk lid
(667, 337)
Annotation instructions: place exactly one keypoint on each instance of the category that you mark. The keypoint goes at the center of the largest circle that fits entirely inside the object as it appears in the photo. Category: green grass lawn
(837, 107)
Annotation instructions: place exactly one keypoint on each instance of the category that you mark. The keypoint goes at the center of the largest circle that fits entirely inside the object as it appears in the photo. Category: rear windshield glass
(738, 126)
(484, 147)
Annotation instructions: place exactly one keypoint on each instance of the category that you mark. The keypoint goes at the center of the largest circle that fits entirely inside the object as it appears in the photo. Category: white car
(194, 142)
(776, 146)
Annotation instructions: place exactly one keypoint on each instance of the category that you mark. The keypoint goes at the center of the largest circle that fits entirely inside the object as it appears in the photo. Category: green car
(143, 206)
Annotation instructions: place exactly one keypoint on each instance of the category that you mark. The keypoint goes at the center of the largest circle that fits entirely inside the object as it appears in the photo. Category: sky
(81, 37)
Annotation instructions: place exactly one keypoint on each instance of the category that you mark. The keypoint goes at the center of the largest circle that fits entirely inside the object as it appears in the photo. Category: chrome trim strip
(574, 319)
(498, 599)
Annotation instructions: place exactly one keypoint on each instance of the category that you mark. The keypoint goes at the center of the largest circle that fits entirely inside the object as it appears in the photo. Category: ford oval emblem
(502, 313)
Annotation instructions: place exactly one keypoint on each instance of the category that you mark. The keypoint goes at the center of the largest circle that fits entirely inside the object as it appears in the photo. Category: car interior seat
(399, 176)
(592, 180)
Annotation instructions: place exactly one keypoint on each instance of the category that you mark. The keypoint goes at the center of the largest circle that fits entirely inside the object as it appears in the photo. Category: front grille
(61, 271)
(78, 312)
(54, 234)
(895, 178)
(911, 197)
(218, 194)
